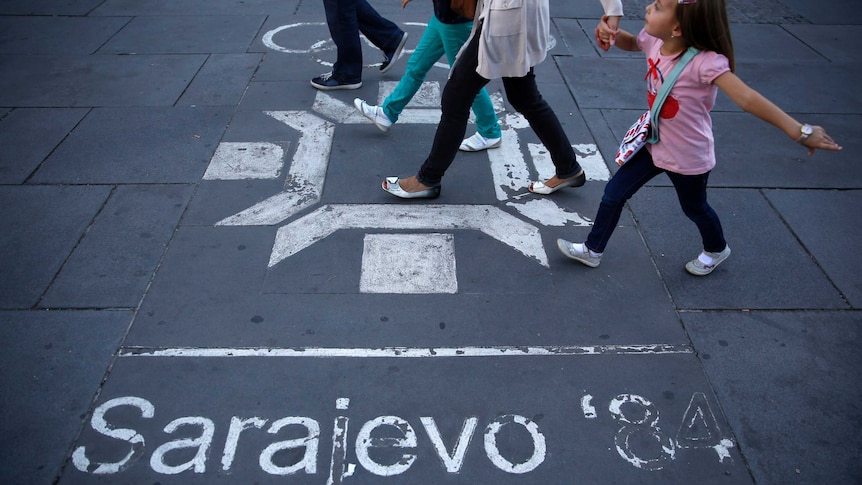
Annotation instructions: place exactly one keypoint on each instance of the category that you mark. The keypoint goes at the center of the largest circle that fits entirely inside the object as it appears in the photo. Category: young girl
(685, 151)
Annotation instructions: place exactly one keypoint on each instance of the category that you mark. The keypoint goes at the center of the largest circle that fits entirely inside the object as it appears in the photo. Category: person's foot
(410, 188)
(328, 82)
(373, 113)
(477, 143)
(706, 262)
(391, 57)
(579, 252)
(555, 183)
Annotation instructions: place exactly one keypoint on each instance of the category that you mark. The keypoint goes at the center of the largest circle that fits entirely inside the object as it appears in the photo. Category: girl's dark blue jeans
(690, 189)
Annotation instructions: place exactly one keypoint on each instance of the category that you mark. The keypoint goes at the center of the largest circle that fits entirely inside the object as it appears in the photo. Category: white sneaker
(706, 262)
(579, 252)
(373, 113)
(477, 143)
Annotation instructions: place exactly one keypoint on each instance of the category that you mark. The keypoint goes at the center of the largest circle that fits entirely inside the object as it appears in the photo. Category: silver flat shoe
(390, 184)
(576, 181)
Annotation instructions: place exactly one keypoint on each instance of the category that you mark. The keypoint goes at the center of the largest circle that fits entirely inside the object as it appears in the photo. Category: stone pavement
(203, 283)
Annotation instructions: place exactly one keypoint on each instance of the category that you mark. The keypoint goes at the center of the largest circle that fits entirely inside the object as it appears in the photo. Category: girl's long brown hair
(704, 25)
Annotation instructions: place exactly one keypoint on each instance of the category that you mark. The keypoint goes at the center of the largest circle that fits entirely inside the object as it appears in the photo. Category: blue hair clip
(687, 2)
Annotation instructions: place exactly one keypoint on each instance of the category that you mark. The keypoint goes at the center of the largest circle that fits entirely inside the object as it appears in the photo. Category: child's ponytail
(704, 25)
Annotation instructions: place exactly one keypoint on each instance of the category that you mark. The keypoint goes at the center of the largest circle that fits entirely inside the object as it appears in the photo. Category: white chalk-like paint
(310, 443)
(237, 426)
(547, 212)
(202, 443)
(306, 175)
(365, 441)
(509, 170)
(636, 427)
(501, 462)
(411, 352)
(408, 264)
(242, 161)
(309, 229)
(100, 425)
(454, 460)
(723, 449)
(269, 38)
(588, 409)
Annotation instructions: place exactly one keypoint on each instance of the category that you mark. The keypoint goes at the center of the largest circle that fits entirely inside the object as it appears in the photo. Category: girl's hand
(819, 139)
(606, 32)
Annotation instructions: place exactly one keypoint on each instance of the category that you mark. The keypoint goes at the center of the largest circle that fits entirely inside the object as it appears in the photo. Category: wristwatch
(806, 131)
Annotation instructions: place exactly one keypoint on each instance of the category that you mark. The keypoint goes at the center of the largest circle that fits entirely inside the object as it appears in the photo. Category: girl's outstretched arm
(753, 102)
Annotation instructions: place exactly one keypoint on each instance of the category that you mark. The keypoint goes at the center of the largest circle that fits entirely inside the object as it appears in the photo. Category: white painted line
(411, 352)
(504, 227)
(244, 161)
(508, 168)
(305, 178)
(343, 113)
(408, 264)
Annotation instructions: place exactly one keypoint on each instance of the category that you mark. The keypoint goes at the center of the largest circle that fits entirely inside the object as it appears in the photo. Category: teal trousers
(439, 39)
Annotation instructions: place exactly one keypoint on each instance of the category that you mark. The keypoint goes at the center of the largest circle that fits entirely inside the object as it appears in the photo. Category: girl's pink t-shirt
(686, 144)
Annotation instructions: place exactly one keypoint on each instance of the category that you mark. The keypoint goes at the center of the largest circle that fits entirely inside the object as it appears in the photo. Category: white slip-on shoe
(391, 185)
(477, 143)
(373, 113)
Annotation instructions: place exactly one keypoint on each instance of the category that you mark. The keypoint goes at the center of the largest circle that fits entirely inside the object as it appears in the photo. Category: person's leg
(381, 32)
(525, 97)
(344, 30)
(458, 94)
(487, 124)
(427, 52)
(620, 188)
(691, 191)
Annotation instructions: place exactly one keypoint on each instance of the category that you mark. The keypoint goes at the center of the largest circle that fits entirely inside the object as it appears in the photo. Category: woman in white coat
(509, 38)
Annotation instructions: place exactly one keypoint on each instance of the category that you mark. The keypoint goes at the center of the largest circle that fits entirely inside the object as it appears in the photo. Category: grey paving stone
(671, 398)
(303, 50)
(29, 135)
(194, 7)
(283, 95)
(47, 7)
(40, 227)
(738, 11)
(56, 35)
(53, 364)
(612, 83)
(767, 43)
(215, 281)
(196, 34)
(222, 81)
(768, 268)
(832, 41)
(753, 153)
(840, 12)
(84, 81)
(802, 87)
(788, 384)
(143, 145)
(824, 221)
(113, 264)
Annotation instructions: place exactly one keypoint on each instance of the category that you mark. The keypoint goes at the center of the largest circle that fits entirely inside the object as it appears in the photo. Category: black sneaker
(327, 82)
(393, 56)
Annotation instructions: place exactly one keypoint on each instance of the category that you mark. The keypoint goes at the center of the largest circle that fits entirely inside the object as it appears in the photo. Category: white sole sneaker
(579, 252)
(699, 268)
